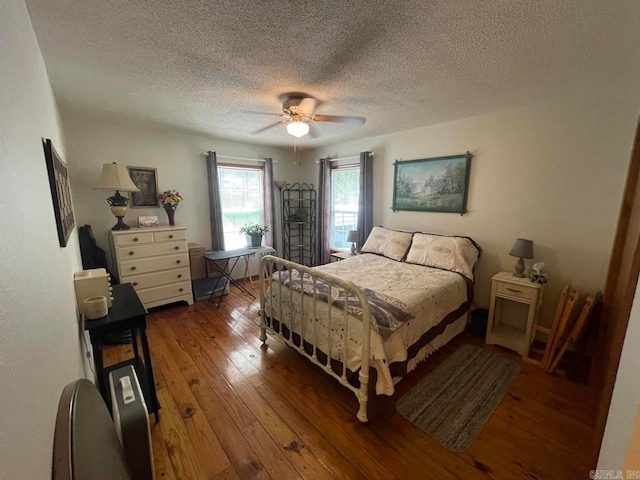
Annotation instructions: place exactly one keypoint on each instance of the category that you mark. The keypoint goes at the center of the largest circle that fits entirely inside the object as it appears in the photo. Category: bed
(410, 292)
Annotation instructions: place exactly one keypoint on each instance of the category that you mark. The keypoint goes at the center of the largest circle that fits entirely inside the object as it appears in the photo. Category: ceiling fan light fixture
(297, 129)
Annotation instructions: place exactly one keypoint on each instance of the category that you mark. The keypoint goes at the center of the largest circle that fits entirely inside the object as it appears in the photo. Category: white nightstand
(506, 287)
(337, 256)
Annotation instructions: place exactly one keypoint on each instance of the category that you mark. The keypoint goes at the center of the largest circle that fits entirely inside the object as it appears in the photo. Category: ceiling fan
(297, 114)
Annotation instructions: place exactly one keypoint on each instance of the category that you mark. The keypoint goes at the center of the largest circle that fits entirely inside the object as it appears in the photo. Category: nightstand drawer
(527, 294)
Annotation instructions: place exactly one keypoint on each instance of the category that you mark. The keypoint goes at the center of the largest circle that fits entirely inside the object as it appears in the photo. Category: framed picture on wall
(60, 192)
(432, 184)
(146, 179)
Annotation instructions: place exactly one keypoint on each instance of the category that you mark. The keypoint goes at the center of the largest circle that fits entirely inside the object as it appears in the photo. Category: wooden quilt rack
(567, 327)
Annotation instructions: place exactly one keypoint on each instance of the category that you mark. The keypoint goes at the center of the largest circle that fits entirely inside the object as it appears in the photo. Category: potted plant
(254, 233)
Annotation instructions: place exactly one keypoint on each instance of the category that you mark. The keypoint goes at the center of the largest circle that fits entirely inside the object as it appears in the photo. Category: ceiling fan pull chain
(295, 152)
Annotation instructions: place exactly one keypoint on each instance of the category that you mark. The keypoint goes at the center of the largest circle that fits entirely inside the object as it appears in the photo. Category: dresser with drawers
(156, 262)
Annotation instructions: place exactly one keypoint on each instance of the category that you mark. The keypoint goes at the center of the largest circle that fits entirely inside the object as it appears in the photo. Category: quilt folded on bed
(387, 314)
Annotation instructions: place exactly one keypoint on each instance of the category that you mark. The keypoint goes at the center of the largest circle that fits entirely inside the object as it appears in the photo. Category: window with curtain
(242, 201)
(345, 190)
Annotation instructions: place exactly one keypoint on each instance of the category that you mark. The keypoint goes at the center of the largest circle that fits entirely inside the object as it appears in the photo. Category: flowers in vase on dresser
(169, 200)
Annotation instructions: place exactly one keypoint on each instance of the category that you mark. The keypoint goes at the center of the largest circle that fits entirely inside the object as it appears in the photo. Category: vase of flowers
(254, 233)
(169, 200)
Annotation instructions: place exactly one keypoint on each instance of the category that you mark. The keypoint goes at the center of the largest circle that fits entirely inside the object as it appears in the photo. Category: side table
(226, 256)
(506, 287)
(126, 314)
(337, 256)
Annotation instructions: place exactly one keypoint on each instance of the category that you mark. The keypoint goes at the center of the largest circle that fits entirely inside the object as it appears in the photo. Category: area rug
(456, 400)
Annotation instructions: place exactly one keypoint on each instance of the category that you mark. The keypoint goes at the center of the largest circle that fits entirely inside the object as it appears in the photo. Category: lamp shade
(116, 177)
(522, 248)
(352, 236)
(280, 183)
(297, 129)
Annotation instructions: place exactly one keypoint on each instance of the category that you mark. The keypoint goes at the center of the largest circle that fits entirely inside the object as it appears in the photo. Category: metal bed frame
(269, 265)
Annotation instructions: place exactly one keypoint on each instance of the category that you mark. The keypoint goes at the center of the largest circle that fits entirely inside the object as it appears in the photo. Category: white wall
(626, 398)
(552, 173)
(39, 337)
(94, 139)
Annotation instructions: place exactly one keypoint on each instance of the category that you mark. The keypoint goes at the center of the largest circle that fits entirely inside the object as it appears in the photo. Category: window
(345, 190)
(242, 201)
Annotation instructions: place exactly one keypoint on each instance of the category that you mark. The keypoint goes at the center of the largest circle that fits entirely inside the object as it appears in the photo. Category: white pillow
(390, 243)
(456, 254)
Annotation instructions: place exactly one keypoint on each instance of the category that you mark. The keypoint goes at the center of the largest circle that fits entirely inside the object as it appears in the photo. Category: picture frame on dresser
(438, 184)
(148, 221)
(60, 192)
(146, 179)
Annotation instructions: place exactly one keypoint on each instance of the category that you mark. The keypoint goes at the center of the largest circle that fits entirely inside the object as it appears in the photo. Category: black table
(225, 273)
(126, 314)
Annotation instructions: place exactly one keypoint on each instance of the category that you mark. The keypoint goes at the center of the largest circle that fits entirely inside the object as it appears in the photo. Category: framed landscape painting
(60, 192)
(432, 184)
(146, 179)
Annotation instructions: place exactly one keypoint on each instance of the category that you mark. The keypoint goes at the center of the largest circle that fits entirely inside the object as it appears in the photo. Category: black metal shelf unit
(299, 223)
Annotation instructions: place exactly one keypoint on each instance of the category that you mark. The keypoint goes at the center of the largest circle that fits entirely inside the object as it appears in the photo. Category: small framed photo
(147, 221)
(146, 179)
(432, 184)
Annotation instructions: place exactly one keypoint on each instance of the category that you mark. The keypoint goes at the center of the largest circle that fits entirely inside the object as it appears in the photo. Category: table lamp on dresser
(116, 177)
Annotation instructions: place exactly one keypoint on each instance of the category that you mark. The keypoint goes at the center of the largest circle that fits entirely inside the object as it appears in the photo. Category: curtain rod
(338, 159)
(344, 158)
(240, 158)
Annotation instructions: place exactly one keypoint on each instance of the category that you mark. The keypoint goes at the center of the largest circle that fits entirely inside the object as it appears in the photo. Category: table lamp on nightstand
(522, 248)
(116, 177)
(353, 238)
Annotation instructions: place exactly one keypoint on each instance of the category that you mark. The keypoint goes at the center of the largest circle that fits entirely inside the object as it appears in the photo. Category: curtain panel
(269, 204)
(365, 203)
(323, 235)
(215, 206)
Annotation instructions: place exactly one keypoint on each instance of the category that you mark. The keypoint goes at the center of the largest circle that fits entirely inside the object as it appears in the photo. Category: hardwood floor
(232, 408)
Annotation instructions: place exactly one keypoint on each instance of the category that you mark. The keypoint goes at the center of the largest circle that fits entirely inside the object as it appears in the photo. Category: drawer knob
(135, 239)
(130, 253)
(170, 236)
(177, 261)
(181, 290)
(135, 284)
(176, 248)
(179, 275)
(514, 290)
(133, 268)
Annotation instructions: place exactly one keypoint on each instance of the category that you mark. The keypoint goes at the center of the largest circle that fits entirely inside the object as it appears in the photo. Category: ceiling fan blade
(307, 106)
(339, 119)
(268, 127)
(251, 112)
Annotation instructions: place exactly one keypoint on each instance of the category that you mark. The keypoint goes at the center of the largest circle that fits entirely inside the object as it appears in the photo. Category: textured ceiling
(198, 65)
